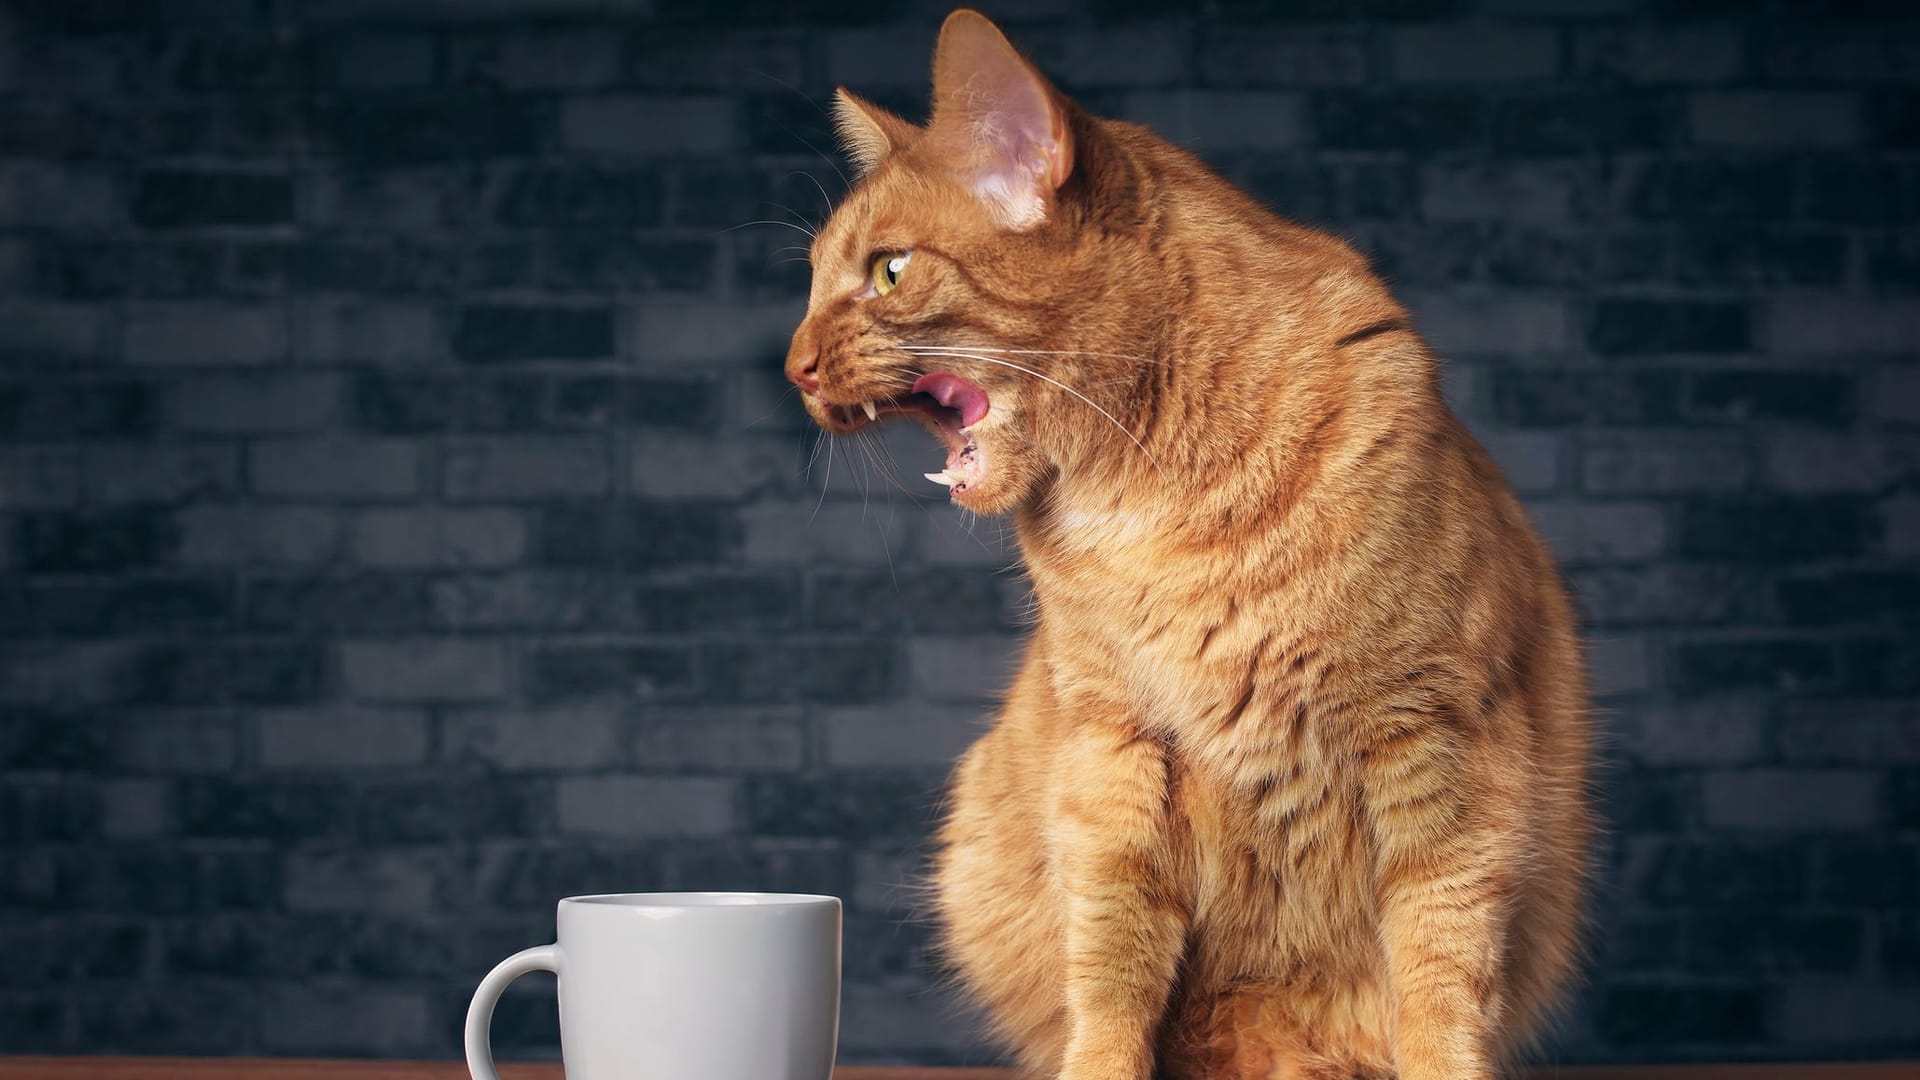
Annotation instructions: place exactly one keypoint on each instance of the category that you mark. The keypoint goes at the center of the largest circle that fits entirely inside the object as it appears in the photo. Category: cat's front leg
(1126, 912)
(1445, 861)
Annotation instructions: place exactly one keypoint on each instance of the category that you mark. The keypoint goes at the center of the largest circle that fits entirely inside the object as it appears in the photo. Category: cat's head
(970, 280)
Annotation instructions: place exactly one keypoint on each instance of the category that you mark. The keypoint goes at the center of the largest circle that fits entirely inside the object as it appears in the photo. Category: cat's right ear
(868, 133)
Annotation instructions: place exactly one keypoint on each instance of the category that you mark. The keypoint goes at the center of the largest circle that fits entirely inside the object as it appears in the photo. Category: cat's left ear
(868, 133)
(999, 120)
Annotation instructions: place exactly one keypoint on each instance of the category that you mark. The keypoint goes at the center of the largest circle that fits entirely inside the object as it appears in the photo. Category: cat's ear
(868, 133)
(999, 119)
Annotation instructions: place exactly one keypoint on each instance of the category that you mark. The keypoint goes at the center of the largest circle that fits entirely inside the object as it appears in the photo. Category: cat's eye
(885, 270)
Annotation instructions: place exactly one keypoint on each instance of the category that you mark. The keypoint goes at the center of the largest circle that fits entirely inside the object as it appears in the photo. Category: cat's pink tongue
(955, 393)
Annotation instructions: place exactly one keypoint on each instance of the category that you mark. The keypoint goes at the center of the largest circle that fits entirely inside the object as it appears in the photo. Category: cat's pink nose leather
(804, 372)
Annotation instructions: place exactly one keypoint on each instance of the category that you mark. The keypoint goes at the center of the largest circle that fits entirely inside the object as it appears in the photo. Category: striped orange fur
(1292, 781)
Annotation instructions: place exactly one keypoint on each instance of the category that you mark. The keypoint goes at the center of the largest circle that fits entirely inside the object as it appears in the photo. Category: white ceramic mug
(684, 986)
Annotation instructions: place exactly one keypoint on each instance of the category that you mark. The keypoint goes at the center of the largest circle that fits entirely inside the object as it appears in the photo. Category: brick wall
(404, 523)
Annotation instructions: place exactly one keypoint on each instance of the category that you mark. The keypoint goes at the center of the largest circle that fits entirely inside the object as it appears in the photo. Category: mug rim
(707, 900)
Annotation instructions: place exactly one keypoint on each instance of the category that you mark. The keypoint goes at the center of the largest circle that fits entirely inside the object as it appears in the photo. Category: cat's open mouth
(949, 406)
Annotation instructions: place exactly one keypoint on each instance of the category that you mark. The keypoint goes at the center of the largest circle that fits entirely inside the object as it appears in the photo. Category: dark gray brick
(246, 536)
(1776, 118)
(1785, 665)
(135, 606)
(1858, 872)
(174, 199)
(1581, 122)
(1776, 944)
(495, 334)
(704, 739)
(1334, 192)
(1433, 121)
(252, 674)
(621, 672)
(706, 604)
(1844, 325)
(1659, 1014)
(856, 805)
(1706, 594)
(646, 402)
(55, 411)
(595, 262)
(929, 600)
(1860, 190)
(409, 404)
(378, 59)
(313, 1021)
(335, 467)
(655, 535)
(1691, 189)
(174, 1020)
(647, 806)
(39, 478)
(456, 808)
(1668, 54)
(525, 467)
(731, 58)
(1851, 597)
(54, 951)
(1676, 872)
(240, 404)
(1796, 799)
(604, 198)
(324, 739)
(439, 537)
(1793, 396)
(376, 131)
(1743, 258)
(650, 125)
(566, 59)
(423, 669)
(573, 738)
(1774, 529)
(538, 600)
(1526, 397)
(1284, 56)
(1623, 327)
(1894, 118)
(54, 542)
(1453, 54)
(140, 474)
(515, 875)
(204, 333)
(823, 671)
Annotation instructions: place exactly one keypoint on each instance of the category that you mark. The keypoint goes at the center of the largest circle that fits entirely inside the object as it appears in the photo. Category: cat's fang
(872, 413)
(943, 478)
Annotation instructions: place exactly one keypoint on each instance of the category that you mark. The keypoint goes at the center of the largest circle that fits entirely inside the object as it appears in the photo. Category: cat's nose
(804, 372)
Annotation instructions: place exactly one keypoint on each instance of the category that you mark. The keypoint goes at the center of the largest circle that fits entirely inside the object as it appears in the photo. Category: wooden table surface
(107, 1068)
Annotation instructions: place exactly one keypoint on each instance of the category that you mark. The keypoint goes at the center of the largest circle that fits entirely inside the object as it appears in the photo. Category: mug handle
(480, 1012)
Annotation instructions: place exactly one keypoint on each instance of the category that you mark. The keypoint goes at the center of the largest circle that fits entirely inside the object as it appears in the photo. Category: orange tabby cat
(1292, 781)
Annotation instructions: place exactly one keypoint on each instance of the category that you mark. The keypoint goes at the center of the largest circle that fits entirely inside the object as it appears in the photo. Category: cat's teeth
(872, 413)
(943, 478)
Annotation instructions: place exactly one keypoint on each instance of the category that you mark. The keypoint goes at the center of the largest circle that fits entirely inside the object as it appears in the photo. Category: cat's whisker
(810, 234)
(824, 485)
(826, 201)
(806, 222)
(1089, 402)
(876, 449)
(1040, 352)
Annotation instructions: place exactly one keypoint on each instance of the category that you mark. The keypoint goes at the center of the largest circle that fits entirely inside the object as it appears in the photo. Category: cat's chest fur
(1194, 645)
